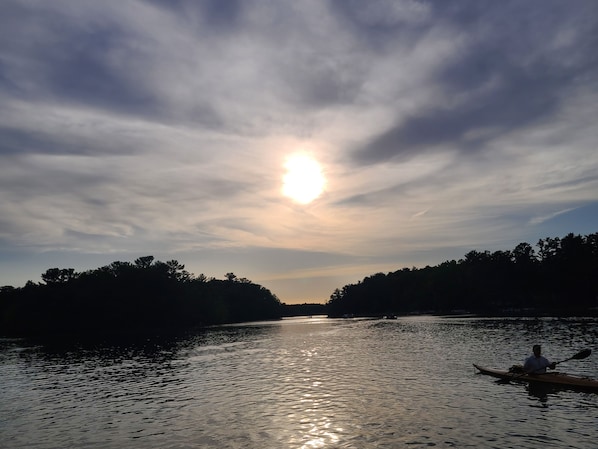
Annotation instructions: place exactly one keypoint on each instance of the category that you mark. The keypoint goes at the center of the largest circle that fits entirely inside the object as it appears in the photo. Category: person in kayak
(537, 363)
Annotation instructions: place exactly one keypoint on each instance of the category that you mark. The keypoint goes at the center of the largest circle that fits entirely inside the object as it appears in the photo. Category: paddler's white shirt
(536, 365)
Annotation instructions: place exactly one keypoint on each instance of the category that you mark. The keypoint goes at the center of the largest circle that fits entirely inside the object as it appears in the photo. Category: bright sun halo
(303, 181)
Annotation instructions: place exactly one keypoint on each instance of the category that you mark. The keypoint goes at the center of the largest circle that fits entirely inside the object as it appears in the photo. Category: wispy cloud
(542, 219)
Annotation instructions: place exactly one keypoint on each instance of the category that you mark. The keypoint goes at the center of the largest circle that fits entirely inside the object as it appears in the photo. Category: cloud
(504, 73)
(82, 55)
(542, 219)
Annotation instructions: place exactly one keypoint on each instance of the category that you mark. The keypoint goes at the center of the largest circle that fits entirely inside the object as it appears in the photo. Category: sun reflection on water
(316, 422)
(320, 435)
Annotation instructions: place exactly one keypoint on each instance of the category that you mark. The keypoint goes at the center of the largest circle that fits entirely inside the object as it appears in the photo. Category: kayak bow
(556, 379)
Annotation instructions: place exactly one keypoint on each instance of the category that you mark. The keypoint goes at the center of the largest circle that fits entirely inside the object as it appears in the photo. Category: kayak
(554, 378)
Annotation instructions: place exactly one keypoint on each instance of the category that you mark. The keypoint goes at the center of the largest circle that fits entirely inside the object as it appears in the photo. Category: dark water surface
(301, 383)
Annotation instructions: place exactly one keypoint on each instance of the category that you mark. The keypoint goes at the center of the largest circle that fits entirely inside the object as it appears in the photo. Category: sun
(303, 181)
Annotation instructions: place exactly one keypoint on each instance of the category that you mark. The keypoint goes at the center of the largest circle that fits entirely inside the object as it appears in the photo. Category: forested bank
(306, 309)
(143, 296)
(559, 276)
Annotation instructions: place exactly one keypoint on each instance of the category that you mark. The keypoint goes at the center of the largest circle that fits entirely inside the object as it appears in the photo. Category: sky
(179, 129)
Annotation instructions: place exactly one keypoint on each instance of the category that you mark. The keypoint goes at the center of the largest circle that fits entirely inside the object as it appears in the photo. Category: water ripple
(298, 384)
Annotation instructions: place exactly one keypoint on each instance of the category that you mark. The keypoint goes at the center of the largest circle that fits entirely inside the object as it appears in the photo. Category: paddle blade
(582, 354)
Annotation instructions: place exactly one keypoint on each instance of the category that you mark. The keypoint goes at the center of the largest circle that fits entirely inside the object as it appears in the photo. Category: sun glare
(303, 181)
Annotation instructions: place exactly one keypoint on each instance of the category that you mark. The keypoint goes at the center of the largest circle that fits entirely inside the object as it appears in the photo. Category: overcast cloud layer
(130, 128)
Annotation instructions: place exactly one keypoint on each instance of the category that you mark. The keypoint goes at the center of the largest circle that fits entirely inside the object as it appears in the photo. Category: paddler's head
(537, 350)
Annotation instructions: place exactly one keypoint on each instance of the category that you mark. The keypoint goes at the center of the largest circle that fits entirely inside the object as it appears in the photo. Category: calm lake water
(301, 383)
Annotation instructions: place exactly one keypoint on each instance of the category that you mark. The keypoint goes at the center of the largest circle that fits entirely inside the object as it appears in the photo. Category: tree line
(146, 295)
(558, 276)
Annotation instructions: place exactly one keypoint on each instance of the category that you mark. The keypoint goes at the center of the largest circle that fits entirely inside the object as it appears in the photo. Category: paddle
(579, 356)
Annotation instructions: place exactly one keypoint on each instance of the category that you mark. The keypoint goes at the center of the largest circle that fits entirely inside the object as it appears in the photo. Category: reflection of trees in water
(103, 350)
(123, 355)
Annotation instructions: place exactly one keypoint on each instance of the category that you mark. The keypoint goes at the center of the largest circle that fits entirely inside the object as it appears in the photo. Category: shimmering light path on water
(300, 383)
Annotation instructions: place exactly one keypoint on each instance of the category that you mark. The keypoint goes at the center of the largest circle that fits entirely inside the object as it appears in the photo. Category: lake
(301, 383)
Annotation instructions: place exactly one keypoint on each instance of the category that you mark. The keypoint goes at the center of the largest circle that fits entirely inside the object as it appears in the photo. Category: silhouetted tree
(58, 276)
(144, 262)
(145, 296)
(562, 278)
